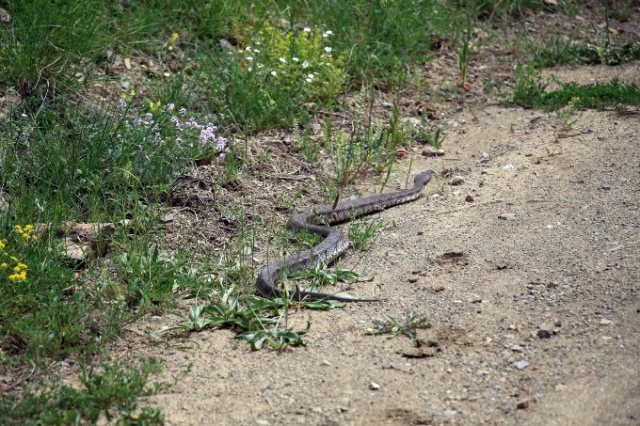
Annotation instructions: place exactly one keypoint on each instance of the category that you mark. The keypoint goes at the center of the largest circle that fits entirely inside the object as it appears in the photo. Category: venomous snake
(318, 220)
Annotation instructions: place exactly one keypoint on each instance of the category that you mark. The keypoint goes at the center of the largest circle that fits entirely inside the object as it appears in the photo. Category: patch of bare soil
(528, 269)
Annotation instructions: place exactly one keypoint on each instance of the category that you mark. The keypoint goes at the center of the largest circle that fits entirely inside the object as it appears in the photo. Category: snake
(318, 220)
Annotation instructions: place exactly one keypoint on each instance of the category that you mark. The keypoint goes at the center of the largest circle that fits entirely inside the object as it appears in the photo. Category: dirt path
(528, 271)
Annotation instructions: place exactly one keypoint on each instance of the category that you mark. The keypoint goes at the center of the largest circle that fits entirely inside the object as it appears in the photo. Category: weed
(110, 394)
(574, 96)
(394, 326)
(362, 231)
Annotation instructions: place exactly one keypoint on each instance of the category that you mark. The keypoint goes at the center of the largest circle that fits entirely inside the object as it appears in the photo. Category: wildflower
(208, 134)
(249, 58)
(182, 111)
(305, 64)
(307, 30)
(273, 73)
(283, 60)
(294, 59)
(154, 106)
(171, 107)
(4, 265)
(3, 244)
(221, 144)
(172, 40)
(122, 104)
(327, 49)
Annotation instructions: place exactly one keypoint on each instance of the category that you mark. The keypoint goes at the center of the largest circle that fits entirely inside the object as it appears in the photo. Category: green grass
(91, 141)
(109, 394)
(530, 92)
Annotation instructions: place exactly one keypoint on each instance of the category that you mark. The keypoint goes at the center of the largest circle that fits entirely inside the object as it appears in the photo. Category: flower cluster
(166, 127)
(14, 269)
(301, 61)
(26, 232)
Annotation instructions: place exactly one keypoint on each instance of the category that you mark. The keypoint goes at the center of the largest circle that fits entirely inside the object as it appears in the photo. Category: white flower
(327, 49)
(307, 30)
(327, 33)
(248, 49)
(310, 76)
(249, 58)
(249, 69)
(259, 66)
(294, 59)
(273, 73)
(256, 51)
(283, 60)
(305, 64)
(308, 80)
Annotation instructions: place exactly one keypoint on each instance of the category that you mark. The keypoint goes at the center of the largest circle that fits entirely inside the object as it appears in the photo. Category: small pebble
(521, 365)
(448, 415)
(469, 199)
(457, 180)
(543, 333)
(517, 348)
(507, 216)
(523, 404)
(605, 321)
(374, 386)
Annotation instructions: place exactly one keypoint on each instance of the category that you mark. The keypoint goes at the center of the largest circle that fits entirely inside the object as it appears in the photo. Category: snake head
(423, 178)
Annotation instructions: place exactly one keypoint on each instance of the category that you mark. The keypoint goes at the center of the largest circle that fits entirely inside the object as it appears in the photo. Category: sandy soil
(528, 270)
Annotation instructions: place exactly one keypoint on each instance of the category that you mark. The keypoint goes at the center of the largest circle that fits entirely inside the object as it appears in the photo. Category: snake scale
(318, 220)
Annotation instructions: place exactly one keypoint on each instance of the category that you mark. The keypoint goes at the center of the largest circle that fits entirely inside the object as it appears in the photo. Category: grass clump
(110, 394)
(530, 92)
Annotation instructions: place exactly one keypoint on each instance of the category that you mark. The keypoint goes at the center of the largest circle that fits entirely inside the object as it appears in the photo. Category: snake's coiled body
(335, 242)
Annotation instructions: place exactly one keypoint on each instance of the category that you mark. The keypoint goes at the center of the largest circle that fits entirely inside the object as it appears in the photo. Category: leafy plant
(111, 392)
(394, 326)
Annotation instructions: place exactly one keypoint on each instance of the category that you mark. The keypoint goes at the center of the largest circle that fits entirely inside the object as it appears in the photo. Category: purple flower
(122, 104)
(171, 107)
(221, 144)
(208, 134)
(182, 111)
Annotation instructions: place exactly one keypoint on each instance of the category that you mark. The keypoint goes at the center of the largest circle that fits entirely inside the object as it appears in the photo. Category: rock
(226, 45)
(605, 321)
(523, 404)
(517, 348)
(374, 386)
(469, 199)
(544, 333)
(325, 363)
(521, 365)
(507, 216)
(448, 415)
(456, 180)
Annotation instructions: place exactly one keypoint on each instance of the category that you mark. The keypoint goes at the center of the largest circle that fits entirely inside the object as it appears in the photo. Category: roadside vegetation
(101, 116)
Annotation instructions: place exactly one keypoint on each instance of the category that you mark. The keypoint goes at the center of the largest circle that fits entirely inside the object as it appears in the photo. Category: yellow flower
(172, 40)
(2, 245)
(154, 106)
(18, 277)
(21, 265)
(4, 265)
